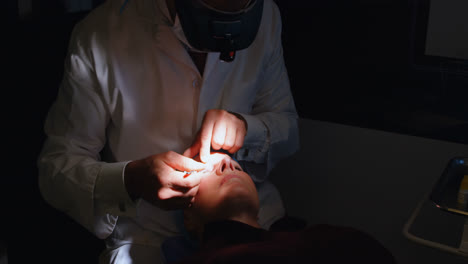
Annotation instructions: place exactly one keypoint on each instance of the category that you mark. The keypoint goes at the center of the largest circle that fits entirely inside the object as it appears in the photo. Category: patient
(222, 220)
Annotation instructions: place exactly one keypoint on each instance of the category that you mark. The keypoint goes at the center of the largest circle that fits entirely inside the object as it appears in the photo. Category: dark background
(356, 62)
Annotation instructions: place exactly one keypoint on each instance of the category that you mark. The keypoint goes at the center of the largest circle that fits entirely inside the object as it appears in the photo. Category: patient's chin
(238, 201)
(236, 190)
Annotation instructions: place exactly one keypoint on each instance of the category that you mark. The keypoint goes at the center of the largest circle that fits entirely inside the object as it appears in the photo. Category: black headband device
(211, 30)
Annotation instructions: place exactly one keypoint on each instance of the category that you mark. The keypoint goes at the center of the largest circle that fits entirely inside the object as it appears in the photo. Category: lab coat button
(196, 83)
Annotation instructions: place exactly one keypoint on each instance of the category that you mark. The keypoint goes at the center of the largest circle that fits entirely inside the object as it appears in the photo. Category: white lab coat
(131, 90)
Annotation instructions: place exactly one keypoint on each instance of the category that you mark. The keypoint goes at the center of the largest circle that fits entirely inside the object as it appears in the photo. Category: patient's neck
(246, 219)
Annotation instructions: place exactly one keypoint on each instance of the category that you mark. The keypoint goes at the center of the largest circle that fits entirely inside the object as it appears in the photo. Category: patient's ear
(193, 224)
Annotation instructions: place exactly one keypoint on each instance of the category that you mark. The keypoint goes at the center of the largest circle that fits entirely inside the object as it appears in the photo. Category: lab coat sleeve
(272, 133)
(72, 178)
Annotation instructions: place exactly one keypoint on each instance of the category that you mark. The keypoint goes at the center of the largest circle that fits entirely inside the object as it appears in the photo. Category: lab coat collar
(152, 11)
(163, 10)
(157, 12)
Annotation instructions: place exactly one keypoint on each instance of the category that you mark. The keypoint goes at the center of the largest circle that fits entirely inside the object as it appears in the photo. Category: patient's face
(226, 190)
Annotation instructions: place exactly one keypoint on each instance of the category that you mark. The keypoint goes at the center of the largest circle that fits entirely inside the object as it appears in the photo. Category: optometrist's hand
(220, 130)
(160, 180)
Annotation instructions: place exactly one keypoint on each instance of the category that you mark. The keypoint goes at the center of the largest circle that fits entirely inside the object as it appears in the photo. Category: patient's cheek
(206, 194)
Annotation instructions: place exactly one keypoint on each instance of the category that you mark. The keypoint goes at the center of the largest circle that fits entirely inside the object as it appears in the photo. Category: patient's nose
(225, 165)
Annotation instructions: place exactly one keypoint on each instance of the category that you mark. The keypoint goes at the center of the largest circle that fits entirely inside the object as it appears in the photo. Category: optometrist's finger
(191, 192)
(193, 150)
(219, 134)
(206, 133)
(182, 163)
(168, 193)
(239, 141)
(171, 193)
(230, 138)
(181, 180)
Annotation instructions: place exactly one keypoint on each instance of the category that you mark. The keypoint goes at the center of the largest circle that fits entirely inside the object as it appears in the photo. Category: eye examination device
(212, 30)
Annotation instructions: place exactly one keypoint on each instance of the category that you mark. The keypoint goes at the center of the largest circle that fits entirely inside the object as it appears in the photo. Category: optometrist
(149, 84)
